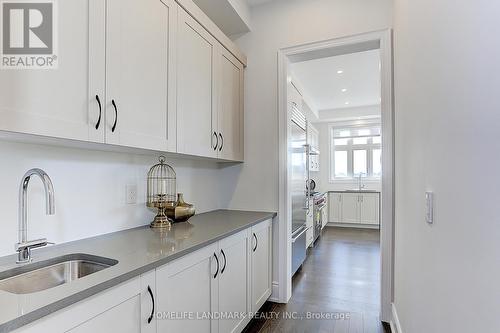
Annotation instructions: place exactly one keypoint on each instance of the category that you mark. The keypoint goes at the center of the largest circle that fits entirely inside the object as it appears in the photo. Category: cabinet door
(189, 285)
(197, 132)
(369, 208)
(261, 264)
(230, 110)
(140, 81)
(148, 302)
(234, 287)
(62, 102)
(324, 216)
(335, 208)
(123, 318)
(115, 310)
(350, 208)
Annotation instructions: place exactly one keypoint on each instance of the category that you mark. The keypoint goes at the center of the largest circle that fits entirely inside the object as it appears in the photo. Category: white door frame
(373, 40)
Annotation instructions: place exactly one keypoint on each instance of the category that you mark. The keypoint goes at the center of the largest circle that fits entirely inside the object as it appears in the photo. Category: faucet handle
(31, 244)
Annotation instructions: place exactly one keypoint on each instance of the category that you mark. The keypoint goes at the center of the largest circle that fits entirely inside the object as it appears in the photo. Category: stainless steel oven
(319, 205)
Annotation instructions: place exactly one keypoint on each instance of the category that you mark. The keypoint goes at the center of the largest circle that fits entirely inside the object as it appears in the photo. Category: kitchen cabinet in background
(350, 208)
(334, 207)
(354, 208)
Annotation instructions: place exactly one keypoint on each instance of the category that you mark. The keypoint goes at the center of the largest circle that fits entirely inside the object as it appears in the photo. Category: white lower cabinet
(350, 208)
(210, 290)
(121, 309)
(225, 280)
(369, 208)
(356, 208)
(261, 275)
(121, 318)
(234, 278)
(213, 280)
(335, 207)
(148, 302)
(187, 288)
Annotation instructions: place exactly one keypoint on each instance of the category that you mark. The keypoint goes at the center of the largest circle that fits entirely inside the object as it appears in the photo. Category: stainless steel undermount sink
(52, 272)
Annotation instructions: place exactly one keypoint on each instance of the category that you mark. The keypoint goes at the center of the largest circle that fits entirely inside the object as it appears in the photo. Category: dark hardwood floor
(341, 279)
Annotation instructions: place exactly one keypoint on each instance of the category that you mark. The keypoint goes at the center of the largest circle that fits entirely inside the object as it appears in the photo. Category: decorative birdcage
(161, 192)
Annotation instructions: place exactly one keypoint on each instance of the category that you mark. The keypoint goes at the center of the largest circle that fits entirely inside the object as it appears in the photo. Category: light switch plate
(429, 207)
(131, 194)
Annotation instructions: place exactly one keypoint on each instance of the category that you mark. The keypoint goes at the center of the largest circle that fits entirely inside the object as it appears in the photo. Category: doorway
(381, 41)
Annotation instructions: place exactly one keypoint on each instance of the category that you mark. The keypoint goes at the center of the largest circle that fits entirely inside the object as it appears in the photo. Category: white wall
(276, 25)
(447, 79)
(90, 191)
(344, 114)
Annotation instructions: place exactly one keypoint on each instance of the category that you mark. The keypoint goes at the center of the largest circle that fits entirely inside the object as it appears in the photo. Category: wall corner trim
(395, 324)
(275, 292)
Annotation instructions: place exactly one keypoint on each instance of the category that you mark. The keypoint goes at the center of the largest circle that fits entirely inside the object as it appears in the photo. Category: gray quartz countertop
(137, 250)
(354, 191)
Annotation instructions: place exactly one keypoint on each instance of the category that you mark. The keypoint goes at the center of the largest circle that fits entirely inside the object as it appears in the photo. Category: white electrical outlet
(131, 194)
(429, 207)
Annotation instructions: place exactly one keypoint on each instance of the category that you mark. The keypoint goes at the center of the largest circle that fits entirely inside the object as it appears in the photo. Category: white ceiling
(257, 2)
(323, 86)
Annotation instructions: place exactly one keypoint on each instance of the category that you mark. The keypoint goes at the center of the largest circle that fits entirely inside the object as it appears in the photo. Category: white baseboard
(353, 225)
(275, 292)
(395, 324)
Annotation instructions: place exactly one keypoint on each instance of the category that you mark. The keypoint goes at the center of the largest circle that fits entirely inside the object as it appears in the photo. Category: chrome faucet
(360, 185)
(23, 247)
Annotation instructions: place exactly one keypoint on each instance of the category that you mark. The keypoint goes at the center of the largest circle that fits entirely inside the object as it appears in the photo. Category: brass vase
(182, 211)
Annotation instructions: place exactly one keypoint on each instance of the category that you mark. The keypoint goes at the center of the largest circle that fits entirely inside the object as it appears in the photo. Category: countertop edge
(98, 288)
(349, 191)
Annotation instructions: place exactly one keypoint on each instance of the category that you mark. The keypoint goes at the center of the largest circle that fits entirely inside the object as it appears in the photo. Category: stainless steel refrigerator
(299, 173)
(299, 176)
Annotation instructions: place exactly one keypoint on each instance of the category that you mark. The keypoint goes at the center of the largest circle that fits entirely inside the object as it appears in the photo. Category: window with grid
(355, 151)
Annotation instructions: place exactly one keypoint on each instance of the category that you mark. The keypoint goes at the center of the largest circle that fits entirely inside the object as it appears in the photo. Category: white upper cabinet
(61, 102)
(196, 97)
(135, 73)
(140, 101)
(230, 110)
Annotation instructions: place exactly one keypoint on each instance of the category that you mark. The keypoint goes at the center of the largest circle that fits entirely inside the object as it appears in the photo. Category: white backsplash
(90, 191)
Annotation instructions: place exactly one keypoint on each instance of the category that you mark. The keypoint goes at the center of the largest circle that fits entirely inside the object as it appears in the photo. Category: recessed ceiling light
(346, 103)
(344, 90)
(340, 71)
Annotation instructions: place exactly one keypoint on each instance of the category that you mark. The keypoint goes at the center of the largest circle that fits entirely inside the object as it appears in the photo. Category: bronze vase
(182, 211)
